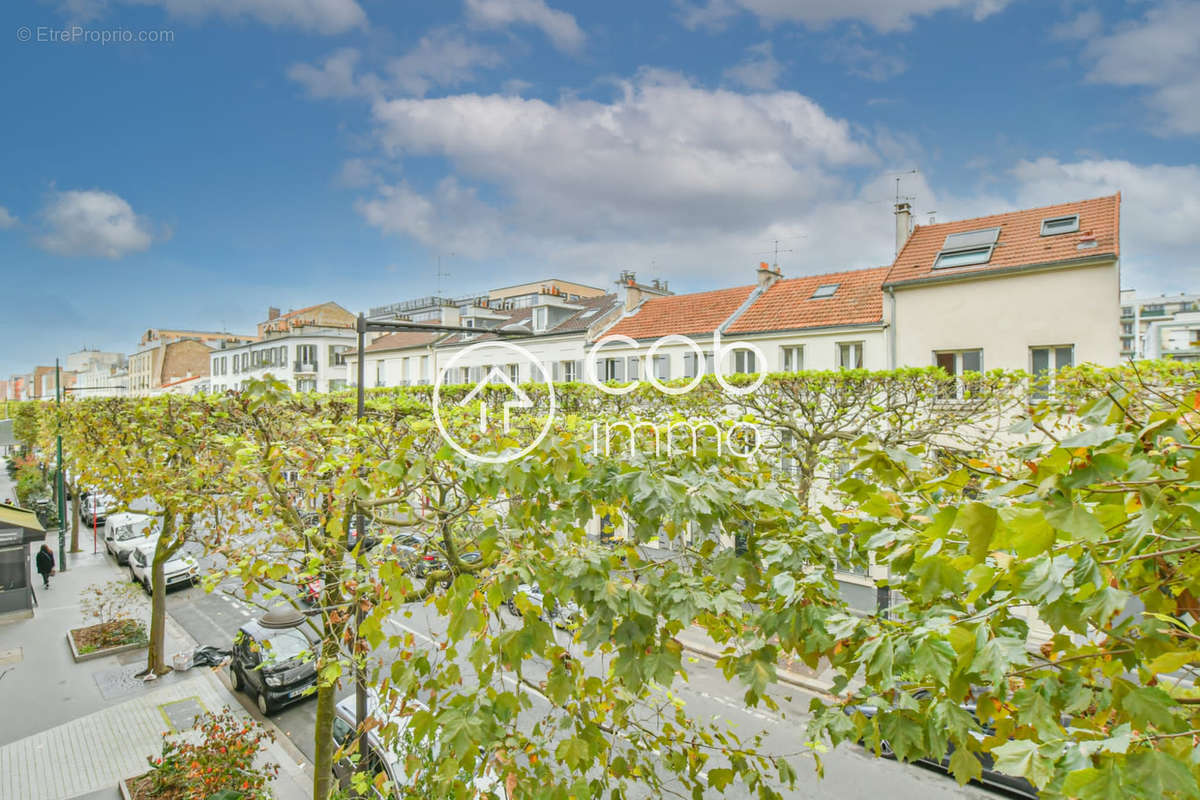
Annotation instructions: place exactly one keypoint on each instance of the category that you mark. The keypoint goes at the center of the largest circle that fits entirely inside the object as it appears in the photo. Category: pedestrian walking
(45, 565)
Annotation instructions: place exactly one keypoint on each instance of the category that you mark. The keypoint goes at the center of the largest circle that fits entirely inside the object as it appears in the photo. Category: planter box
(107, 651)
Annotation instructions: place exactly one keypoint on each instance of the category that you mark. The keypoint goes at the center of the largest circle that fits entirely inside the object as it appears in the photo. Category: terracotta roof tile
(789, 303)
(1020, 241)
(684, 314)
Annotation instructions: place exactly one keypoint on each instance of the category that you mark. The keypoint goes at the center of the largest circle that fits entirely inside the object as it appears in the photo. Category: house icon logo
(498, 395)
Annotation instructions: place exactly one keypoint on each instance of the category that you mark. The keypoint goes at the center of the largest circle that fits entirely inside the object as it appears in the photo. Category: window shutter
(618, 369)
(554, 372)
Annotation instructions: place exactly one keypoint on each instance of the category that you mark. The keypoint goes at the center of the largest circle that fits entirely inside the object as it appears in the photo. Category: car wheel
(885, 750)
(235, 678)
(132, 578)
(146, 586)
(264, 705)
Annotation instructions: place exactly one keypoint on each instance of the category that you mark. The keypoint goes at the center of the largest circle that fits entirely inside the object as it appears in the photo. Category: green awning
(18, 525)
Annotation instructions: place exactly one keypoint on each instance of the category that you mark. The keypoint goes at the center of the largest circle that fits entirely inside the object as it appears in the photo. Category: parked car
(990, 777)
(277, 667)
(179, 570)
(433, 561)
(125, 532)
(565, 617)
(93, 510)
(390, 761)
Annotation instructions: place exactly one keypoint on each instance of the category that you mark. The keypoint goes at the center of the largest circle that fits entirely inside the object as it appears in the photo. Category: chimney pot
(903, 224)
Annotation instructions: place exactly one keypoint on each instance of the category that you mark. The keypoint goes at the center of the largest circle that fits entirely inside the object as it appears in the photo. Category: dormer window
(1056, 225)
(825, 290)
(967, 248)
(541, 318)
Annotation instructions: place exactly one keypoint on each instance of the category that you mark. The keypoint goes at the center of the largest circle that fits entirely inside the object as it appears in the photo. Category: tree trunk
(156, 660)
(74, 519)
(323, 762)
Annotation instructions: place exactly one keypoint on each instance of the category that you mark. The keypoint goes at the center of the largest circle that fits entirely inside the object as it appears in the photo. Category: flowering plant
(220, 762)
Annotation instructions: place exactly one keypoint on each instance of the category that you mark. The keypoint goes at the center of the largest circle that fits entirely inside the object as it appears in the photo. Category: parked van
(126, 531)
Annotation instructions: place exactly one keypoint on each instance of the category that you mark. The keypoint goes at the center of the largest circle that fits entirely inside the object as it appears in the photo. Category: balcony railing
(304, 366)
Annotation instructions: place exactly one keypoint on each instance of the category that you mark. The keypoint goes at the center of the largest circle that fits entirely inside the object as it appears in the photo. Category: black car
(1009, 783)
(278, 667)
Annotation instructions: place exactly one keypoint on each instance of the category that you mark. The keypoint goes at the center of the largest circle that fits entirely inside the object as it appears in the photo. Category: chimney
(903, 224)
(766, 276)
(450, 315)
(272, 313)
(629, 287)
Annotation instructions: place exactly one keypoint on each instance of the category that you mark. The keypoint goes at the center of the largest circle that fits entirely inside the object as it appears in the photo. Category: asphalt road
(850, 772)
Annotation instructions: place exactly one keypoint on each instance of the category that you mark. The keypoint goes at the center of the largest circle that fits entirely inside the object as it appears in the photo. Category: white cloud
(442, 58)
(665, 164)
(7, 220)
(883, 15)
(335, 76)
(318, 16)
(760, 70)
(1159, 209)
(92, 223)
(1161, 52)
(865, 62)
(1084, 25)
(559, 26)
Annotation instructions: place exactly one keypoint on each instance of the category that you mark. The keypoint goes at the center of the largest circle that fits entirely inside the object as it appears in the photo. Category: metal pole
(62, 500)
(360, 679)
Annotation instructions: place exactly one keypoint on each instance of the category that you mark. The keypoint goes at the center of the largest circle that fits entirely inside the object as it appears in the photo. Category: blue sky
(288, 152)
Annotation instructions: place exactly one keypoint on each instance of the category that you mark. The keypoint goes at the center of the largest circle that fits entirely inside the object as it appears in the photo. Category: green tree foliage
(1078, 522)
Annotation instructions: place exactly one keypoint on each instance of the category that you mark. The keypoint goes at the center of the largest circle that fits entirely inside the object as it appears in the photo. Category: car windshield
(130, 531)
(285, 645)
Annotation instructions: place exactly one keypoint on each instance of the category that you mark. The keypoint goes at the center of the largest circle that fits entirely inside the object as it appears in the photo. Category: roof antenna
(774, 253)
(441, 275)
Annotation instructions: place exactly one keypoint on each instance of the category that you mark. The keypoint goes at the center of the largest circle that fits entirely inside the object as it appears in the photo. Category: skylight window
(1057, 225)
(825, 290)
(967, 248)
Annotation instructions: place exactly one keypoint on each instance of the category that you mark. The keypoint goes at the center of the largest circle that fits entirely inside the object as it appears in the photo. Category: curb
(218, 675)
(108, 651)
(804, 682)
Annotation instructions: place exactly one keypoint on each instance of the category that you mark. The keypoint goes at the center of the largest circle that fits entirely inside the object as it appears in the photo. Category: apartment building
(305, 348)
(1166, 326)
(99, 374)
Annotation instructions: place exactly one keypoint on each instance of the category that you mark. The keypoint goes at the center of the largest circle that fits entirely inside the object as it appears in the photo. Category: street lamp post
(362, 327)
(59, 482)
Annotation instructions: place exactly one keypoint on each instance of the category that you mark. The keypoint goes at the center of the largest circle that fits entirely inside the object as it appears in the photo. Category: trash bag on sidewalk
(183, 661)
(209, 656)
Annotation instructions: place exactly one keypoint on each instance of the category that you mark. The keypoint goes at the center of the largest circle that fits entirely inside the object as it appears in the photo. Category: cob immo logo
(495, 368)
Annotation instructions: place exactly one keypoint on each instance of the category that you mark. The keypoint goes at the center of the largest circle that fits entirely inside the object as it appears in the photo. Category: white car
(124, 533)
(93, 510)
(180, 569)
(391, 761)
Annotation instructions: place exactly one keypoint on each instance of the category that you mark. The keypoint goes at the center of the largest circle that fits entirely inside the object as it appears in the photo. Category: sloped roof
(401, 340)
(701, 312)
(789, 303)
(590, 311)
(1020, 242)
(21, 518)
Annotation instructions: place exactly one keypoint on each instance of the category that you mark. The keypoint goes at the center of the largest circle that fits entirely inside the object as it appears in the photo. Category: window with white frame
(955, 363)
(1044, 362)
(306, 354)
(792, 358)
(569, 370)
(690, 362)
(744, 362)
(850, 355)
(541, 318)
(380, 372)
(514, 372)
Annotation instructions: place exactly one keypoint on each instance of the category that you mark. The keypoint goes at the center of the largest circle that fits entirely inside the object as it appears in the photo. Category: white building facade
(309, 359)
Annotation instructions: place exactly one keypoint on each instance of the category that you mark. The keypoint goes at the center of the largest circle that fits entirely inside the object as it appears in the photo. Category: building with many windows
(306, 349)
(1167, 326)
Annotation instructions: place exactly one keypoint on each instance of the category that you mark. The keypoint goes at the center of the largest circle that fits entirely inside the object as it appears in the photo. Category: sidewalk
(73, 730)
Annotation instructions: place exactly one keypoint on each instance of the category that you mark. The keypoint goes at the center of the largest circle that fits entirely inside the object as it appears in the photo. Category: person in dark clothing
(45, 565)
